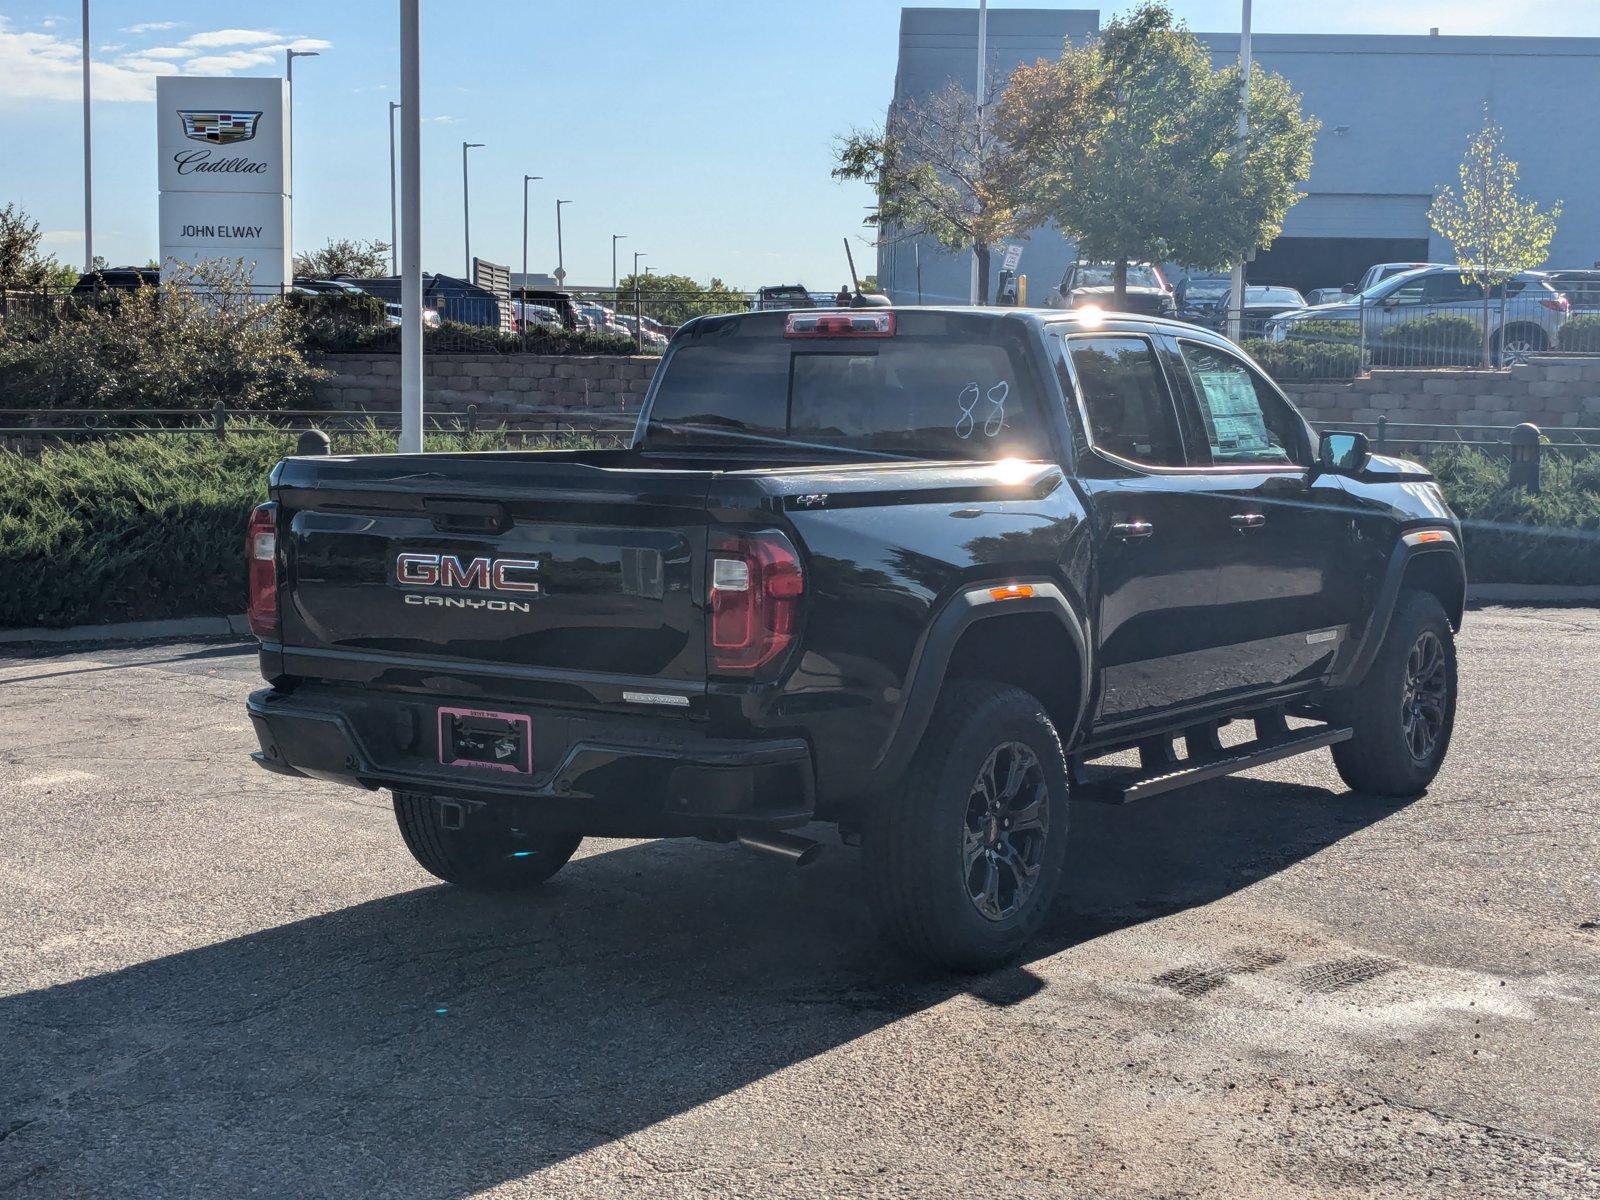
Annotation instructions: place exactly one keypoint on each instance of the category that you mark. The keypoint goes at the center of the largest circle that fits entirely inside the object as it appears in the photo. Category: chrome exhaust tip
(797, 850)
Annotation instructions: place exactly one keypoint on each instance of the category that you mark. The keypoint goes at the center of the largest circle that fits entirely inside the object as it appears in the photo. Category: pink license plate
(490, 741)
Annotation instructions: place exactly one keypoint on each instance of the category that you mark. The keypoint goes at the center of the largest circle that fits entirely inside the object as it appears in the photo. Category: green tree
(674, 299)
(344, 256)
(22, 267)
(1495, 231)
(940, 173)
(1130, 146)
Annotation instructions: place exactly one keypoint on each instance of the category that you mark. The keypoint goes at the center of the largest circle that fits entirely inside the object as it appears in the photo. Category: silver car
(1524, 320)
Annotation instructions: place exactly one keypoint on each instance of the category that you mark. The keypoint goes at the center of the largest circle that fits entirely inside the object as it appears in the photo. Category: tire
(1514, 343)
(484, 857)
(1389, 754)
(935, 857)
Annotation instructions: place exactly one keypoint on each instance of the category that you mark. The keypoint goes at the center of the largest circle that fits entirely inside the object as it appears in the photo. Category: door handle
(1128, 530)
(1244, 521)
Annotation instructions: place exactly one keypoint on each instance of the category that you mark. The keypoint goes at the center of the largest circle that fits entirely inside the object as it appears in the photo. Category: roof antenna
(855, 283)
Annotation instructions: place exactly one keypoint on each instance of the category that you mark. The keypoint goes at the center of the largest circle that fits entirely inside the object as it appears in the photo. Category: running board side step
(1127, 785)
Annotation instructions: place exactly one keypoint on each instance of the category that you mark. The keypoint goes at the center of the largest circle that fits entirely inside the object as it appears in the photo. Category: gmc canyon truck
(928, 575)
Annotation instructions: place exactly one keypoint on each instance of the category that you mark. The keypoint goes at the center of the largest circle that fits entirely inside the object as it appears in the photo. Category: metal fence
(1349, 339)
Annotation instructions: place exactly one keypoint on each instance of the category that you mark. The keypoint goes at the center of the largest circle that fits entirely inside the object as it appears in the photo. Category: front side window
(1125, 399)
(1245, 422)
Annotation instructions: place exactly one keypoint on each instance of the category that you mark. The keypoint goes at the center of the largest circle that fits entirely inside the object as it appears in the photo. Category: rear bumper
(622, 777)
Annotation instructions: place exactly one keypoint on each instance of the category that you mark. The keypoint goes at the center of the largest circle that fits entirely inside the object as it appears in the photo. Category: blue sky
(700, 128)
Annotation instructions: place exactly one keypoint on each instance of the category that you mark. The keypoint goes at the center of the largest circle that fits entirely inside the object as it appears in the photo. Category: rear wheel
(487, 855)
(964, 860)
(1403, 712)
(1516, 343)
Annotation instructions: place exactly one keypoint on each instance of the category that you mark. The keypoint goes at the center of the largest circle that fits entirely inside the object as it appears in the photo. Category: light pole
(394, 221)
(411, 211)
(561, 263)
(615, 238)
(288, 69)
(638, 308)
(983, 72)
(526, 180)
(88, 157)
(466, 206)
(1236, 276)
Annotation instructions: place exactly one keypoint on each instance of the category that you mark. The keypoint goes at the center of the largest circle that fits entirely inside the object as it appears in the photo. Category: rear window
(943, 387)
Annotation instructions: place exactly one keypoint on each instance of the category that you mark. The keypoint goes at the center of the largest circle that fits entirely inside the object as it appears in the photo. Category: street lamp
(394, 222)
(466, 205)
(638, 308)
(288, 69)
(1236, 275)
(88, 157)
(526, 180)
(561, 263)
(411, 348)
(615, 238)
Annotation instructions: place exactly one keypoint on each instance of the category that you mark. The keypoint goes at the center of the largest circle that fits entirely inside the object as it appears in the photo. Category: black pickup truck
(918, 573)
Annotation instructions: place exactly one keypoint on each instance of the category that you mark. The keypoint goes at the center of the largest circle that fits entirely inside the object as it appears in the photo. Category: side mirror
(1343, 453)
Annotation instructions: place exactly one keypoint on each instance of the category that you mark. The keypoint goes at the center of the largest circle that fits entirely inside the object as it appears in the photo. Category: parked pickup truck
(916, 573)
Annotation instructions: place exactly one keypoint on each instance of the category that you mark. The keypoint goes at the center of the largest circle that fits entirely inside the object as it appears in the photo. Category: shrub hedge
(1514, 537)
(1582, 333)
(142, 528)
(1441, 340)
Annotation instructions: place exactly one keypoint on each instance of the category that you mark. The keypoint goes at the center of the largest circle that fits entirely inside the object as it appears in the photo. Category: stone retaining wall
(1548, 392)
(567, 388)
(601, 389)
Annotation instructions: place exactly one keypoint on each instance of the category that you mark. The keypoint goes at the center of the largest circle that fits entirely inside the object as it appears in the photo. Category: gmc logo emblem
(474, 575)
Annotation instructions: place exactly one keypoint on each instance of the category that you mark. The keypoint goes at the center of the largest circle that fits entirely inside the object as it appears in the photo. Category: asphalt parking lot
(218, 982)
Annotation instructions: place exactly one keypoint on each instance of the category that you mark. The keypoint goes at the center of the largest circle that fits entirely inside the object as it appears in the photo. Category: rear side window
(1245, 421)
(939, 388)
(1130, 414)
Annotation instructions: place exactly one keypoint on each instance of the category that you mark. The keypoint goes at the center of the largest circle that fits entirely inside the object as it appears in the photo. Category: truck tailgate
(519, 565)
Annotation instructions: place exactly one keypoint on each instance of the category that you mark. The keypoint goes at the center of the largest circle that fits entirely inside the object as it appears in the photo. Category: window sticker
(1237, 424)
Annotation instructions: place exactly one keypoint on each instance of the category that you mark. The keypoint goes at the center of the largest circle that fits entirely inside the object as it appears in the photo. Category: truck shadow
(435, 1043)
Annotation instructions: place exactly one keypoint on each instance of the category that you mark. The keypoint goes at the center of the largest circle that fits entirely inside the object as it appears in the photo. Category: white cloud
(224, 64)
(230, 37)
(151, 26)
(441, 120)
(37, 66)
(54, 236)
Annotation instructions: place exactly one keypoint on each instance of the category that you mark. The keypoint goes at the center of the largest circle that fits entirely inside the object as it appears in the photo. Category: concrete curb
(1533, 593)
(134, 631)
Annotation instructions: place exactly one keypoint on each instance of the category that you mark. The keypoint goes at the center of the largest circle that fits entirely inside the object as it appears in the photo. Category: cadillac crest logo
(219, 128)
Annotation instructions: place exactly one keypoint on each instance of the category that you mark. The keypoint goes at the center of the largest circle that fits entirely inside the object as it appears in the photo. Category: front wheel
(480, 854)
(1517, 343)
(1403, 712)
(964, 860)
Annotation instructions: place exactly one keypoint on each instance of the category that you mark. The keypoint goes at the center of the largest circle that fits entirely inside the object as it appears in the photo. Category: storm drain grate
(1344, 973)
(1195, 981)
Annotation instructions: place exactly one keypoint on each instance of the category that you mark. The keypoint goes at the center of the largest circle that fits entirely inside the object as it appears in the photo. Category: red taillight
(261, 584)
(1559, 304)
(840, 325)
(756, 586)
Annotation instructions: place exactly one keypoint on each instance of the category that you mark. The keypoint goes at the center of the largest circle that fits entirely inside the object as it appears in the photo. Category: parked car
(783, 295)
(116, 279)
(1378, 272)
(914, 572)
(1581, 288)
(652, 333)
(1093, 283)
(525, 315)
(1261, 302)
(1198, 293)
(1525, 317)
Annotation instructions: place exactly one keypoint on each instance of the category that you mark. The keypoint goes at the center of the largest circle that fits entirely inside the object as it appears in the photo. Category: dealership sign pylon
(224, 170)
